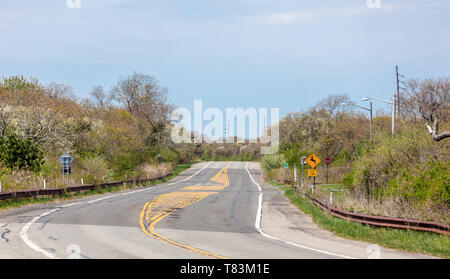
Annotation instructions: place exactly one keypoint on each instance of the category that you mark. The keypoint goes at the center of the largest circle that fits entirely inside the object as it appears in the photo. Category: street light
(388, 102)
(368, 109)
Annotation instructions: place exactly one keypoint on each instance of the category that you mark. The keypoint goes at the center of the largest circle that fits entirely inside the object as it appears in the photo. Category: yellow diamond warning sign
(313, 160)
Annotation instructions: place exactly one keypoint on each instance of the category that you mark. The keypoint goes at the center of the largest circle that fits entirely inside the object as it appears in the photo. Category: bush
(124, 163)
(94, 169)
(429, 181)
(16, 153)
(411, 169)
(348, 179)
(169, 156)
(272, 161)
(20, 83)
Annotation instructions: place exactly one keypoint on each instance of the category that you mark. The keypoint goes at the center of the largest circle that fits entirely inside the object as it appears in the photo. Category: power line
(398, 75)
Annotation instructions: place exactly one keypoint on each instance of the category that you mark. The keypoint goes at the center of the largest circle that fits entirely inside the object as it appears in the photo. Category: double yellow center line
(165, 204)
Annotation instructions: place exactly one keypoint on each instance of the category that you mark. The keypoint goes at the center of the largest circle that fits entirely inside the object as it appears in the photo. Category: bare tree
(59, 90)
(429, 100)
(146, 100)
(99, 96)
(332, 102)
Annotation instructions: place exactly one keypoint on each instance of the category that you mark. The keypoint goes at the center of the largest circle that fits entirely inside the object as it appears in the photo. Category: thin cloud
(282, 18)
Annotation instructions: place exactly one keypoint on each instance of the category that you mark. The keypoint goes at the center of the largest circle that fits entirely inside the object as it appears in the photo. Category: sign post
(303, 163)
(285, 172)
(295, 173)
(65, 161)
(313, 161)
(159, 158)
(327, 163)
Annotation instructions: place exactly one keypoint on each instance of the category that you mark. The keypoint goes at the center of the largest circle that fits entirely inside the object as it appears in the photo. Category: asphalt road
(212, 210)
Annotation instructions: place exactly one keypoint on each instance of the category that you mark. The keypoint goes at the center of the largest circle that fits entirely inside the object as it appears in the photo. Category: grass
(411, 241)
(5, 204)
(332, 186)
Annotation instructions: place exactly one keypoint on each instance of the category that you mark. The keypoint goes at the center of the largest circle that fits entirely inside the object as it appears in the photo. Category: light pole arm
(381, 100)
(354, 105)
(368, 109)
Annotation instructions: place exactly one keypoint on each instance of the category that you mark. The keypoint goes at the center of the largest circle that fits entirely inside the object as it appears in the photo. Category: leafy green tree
(16, 153)
(20, 83)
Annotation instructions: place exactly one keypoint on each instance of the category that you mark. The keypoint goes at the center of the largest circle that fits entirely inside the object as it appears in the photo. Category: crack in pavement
(5, 232)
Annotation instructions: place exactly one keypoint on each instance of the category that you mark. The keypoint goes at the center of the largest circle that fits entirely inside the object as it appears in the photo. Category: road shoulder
(285, 221)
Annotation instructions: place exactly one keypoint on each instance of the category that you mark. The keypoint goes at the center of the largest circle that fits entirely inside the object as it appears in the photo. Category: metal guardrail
(77, 188)
(381, 221)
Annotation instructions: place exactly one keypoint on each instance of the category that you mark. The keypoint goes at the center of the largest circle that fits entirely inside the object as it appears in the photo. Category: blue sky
(246, 53)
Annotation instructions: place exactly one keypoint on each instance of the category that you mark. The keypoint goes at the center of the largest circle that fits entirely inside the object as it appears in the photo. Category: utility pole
(371, 122)
(393, 114)
(225, 133)
(398, 90)
(399, 87)
(392, 103)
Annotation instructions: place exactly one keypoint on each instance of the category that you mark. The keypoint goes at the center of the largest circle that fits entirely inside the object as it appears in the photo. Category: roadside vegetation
(402, 176)
(411, 241)
(115, 134)
(5, 204)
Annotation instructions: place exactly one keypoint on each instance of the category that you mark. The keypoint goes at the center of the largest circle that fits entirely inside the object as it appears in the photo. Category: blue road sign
(65, 159)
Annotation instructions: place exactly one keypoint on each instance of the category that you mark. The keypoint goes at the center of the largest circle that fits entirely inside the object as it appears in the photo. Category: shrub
(412, 169)
(94, 168)
(124, 163)
(16, 153)
(272, 161)
(169, 156)
(20, 83)
(429, 181)
(348, 179)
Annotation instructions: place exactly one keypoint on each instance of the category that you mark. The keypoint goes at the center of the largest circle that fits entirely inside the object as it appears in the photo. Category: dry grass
(91, 170)
(148, 170)
(21, 180)
(394, 207)
(355, 201)
(335, 174)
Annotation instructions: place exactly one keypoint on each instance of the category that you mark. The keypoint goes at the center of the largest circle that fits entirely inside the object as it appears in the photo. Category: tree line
(405, 176)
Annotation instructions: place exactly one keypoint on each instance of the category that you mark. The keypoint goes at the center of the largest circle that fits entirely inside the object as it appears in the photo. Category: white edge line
(75, 203)
(34, 246)
(104, 198)
(191, 175)
(259, 229)
(31, 244)
(150, 188)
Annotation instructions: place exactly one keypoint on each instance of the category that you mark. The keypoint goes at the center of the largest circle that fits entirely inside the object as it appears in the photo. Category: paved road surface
(212, 210)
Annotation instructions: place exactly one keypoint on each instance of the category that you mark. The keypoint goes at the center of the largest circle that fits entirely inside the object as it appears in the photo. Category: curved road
(212, 210)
